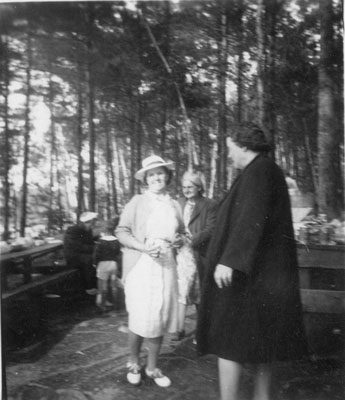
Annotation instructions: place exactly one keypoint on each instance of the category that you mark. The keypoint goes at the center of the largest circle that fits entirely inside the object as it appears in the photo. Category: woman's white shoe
(134, 373)
(157, 376)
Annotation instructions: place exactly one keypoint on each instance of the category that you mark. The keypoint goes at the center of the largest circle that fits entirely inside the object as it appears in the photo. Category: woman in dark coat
(250, 309)
(202, 219)
(79, 244)
(199, 214)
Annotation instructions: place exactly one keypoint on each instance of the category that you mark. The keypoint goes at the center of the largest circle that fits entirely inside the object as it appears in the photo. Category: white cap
(88, 216)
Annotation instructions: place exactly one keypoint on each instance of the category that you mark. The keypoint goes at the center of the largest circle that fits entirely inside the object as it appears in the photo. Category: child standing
(107, 254)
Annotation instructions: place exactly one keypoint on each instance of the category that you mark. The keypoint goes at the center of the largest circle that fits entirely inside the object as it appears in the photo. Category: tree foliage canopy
(161, 77)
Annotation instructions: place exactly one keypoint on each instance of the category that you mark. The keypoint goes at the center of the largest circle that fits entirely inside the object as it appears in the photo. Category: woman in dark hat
(250, 309)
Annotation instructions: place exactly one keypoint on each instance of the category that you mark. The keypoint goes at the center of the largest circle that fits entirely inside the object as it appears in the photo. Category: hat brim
(139, 175)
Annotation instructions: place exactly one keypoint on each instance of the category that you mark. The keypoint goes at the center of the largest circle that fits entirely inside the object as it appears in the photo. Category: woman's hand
(222, 275)
(188, 237)
(152, 249)
(178, 241)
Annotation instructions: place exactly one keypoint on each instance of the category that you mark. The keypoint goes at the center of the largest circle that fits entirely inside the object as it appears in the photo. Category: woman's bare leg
(135, 342)
(262, 382)
(229, 378)
(101, 292)
(154, 346)
(113, 288)
(182, 308)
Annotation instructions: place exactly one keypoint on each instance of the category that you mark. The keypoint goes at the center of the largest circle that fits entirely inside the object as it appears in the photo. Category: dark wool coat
(258, 318)
(78, 243)
(201, 226)
(79, 246)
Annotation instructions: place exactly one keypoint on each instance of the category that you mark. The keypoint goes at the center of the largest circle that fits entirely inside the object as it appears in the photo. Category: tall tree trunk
(108, 192)
(310, 159)
(121, 183)
(133, 148)
(328, 156)
(113, 189)
(223, 42)
(261, 64)
(166, 50)
(204, 144)
(272, 9)
(26, 139)
(164, 127)
(52, 155)
(213, 167)
(59, 197)
(240, 65)
(118, 188)
(310, 164)
(7, 146)
(126, 181)
(80, 192)
(177, 154)
(16, 211)
(91, 107)
(138, 130)
(285, 144)
(111, 176)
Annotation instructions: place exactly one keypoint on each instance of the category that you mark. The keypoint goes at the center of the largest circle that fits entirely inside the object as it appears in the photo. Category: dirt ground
(80, 354)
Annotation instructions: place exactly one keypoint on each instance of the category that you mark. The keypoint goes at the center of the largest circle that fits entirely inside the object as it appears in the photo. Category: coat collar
(200, 203)
(238, 177)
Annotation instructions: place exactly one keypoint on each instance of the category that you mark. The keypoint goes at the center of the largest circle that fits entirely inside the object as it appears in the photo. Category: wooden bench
(40, 270)
(42, 285)
(22, 262)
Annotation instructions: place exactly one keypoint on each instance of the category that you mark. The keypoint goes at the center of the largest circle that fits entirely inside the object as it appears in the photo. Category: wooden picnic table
(25, 258)
(322, 273)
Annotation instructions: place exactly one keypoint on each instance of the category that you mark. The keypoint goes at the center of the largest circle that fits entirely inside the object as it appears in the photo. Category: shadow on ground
(34, 324)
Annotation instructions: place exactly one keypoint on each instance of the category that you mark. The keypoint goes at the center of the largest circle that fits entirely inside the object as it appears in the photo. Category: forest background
(89, 89)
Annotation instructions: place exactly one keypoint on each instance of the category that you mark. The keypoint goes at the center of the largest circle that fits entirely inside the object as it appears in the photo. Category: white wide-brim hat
(88, 216)
(150, 163)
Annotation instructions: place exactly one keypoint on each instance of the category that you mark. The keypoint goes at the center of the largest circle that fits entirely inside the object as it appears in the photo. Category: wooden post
(27, 269)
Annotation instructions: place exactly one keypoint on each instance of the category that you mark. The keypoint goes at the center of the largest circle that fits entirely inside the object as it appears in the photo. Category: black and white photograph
(172, 214)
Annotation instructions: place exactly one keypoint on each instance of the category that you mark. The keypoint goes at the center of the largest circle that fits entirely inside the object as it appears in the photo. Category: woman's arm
(126, 228)
(124, 231)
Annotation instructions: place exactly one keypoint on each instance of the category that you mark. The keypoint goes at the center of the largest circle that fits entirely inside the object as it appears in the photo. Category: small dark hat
(252, 137)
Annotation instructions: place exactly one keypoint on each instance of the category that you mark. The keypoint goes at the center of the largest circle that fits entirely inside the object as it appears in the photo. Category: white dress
(151, 286)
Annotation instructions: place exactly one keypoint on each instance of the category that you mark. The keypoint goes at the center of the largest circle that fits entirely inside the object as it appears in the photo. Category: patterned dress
(151, 286)
(188, 280)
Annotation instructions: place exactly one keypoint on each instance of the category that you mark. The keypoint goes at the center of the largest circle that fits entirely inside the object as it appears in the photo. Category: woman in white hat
(149, 231)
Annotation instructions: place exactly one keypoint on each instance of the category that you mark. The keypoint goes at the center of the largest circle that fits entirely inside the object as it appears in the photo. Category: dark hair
(253, 138)
(168, 171)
